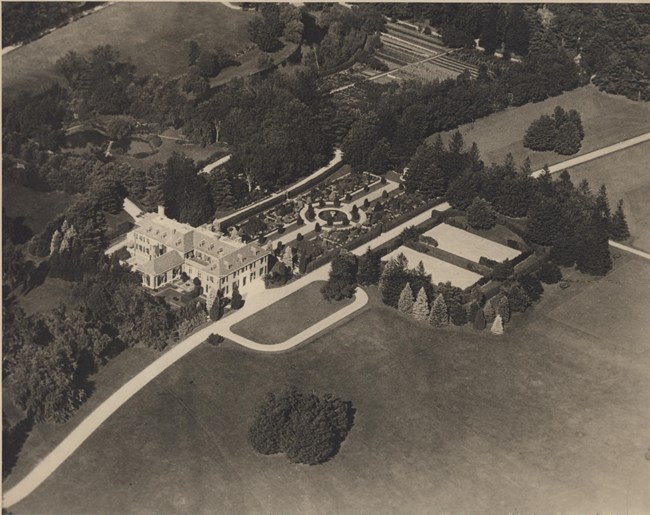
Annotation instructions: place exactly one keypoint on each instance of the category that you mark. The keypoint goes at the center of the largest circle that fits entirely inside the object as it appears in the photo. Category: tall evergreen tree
(592, 248)
(369, 268)
(497, 325)
(439, 315)
(502, 309)
(541, 135)
(618, 229)
(420, 310)
(568, 139)
(405, 303)
(423, 174)
(479, 320)
(573, 116)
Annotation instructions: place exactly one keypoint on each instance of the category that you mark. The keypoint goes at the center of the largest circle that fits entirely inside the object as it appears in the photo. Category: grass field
(626, 175)
(280, 320)
(37, 207)
(551, 417)
(154, 36)
(607, 119)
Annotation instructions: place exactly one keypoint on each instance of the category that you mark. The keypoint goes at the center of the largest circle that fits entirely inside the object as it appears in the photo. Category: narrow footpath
(590, 156)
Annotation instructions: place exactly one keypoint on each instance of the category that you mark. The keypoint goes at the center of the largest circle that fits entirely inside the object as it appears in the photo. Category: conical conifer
(405, 303)
(420, 309)
(439, 315)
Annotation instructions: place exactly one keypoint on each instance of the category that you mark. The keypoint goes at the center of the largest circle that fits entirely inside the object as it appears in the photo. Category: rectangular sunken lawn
(289, 316)
(440, 270)
(468, 245)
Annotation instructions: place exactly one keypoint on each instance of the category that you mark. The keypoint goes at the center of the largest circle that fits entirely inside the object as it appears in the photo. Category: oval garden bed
(337, 216)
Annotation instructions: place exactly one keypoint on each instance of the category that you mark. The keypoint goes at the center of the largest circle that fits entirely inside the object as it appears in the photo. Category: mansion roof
(215, 254)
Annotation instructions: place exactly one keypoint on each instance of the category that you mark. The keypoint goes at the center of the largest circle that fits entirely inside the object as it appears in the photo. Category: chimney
(161, 211)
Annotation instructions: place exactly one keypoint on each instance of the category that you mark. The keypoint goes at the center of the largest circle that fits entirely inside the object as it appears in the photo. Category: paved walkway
(590, 156)
(218, 162)
(253, 304)
(631, 250)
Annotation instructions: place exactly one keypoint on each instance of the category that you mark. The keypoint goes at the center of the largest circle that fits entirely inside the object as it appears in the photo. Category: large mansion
(164, 248)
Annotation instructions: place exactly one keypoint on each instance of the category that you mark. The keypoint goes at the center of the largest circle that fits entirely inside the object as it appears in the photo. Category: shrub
(384, 194)
(215, 339)
(348, 197)
(481, 214)
(366, 188)
(366, 203)
(382, 180)
(236, 302)
(300, 221)
(299, 237)
(317, 228)
(280, 229)
(196, 281)
(549, 273)
(321, 203)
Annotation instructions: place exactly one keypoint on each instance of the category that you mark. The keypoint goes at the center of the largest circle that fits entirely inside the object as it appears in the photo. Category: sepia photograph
(299, 258)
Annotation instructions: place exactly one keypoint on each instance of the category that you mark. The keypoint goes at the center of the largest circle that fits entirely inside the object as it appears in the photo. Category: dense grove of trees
(612, 41)
(609, 40)
(23, 21)
(400, 117)
(562, 132)
(506, 25)
(308, 428)
(279, 129)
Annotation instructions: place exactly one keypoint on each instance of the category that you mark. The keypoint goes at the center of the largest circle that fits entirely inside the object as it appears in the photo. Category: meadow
(607, 119)
(155, 39)
(551, 417)
(625, 174)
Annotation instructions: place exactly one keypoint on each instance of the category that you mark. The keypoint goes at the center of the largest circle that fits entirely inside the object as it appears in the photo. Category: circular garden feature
(337, 216)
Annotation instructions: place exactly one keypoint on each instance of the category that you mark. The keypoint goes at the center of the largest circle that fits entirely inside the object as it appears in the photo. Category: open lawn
(468, 245)
(626, 175)
(607, 119)
(441, 271)
(165, 151)
(545, 419)
(37, 207)
(52, 293)
(289, 316)
(154, 37)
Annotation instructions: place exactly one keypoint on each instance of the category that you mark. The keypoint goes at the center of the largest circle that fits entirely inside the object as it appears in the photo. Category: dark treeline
(23, 21)
(573, 222)
(610, 41)
(495, 25)
(398, 118)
